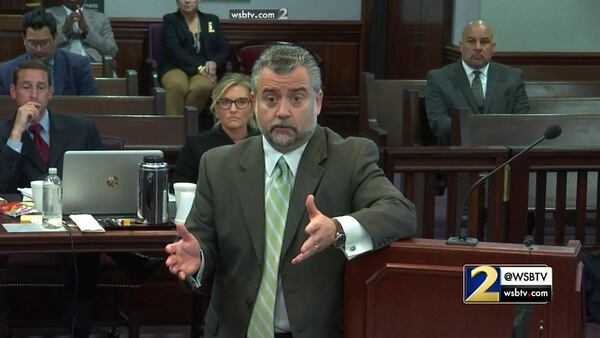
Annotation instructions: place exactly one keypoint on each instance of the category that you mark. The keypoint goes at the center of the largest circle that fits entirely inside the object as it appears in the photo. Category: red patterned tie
(40, 144)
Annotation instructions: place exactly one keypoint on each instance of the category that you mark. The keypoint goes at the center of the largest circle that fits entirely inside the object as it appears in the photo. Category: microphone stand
(462, 238)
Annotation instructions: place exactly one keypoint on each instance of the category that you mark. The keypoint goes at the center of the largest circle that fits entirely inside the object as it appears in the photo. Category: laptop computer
(102, 182)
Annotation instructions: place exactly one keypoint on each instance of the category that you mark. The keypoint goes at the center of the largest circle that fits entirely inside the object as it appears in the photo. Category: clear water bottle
(52, 201)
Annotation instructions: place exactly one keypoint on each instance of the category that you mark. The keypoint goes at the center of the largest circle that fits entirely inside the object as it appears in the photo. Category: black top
(195, 146)
(178, 44)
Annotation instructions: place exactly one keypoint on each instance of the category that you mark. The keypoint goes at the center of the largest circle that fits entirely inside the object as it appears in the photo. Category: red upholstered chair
(247, 52)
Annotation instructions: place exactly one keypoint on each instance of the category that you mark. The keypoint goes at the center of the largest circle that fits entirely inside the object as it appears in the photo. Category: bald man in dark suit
(474, 83)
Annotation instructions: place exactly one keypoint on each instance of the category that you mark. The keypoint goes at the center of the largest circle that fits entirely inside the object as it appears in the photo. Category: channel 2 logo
(507, 284)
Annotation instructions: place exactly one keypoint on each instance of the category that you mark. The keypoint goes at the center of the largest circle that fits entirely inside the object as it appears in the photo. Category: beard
(287, 139)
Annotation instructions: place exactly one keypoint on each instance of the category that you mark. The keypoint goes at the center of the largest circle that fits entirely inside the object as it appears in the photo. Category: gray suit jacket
(99, 40)
(228, 218)
(448, 87)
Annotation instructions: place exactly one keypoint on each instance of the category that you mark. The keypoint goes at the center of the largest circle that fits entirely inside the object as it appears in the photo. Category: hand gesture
(184, 255)
(80, 19)
(210, 70)
(26, 115)
(320, 229)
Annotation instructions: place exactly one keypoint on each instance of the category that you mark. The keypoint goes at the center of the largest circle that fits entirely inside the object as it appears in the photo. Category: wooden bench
(578, 130)
(392, 112)
(91, 105)
(126, 86)
(106, 68)
(163, 132)
(381, 106)
(564, 105)
(562, 88)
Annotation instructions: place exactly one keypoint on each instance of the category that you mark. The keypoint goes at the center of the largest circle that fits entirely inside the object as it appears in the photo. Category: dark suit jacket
(67, 132)
(448, 87)
(195, 146)
(178, 44)
(228, 218)
(72, 74)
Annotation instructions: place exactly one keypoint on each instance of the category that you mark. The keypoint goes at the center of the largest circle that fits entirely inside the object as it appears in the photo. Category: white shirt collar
(469, 70)
(68, 10)
(292, 158)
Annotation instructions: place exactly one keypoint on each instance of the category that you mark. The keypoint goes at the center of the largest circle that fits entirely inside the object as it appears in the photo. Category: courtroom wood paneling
(336, 42)
(416, 34)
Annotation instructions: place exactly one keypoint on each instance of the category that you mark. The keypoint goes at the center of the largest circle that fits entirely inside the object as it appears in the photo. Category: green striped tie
(276, 207)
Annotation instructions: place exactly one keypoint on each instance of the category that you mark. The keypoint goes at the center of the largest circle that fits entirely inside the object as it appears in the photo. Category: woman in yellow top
(195, 53)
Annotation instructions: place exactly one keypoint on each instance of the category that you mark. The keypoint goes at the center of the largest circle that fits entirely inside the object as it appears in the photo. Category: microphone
(551, 133)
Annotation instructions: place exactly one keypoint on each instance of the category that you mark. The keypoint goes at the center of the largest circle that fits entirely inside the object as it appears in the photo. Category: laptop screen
(102, 182)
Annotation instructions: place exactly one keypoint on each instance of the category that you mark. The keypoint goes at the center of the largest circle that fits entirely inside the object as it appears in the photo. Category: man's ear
(13, 90)
(319, 101)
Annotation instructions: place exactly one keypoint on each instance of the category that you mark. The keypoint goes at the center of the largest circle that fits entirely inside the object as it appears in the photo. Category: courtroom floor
(102, 332)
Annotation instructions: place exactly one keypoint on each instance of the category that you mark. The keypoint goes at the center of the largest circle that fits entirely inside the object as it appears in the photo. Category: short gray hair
(282, 59)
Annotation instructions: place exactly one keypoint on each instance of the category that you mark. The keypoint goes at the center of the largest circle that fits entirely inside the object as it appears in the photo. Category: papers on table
(86, 223)
(29, 227)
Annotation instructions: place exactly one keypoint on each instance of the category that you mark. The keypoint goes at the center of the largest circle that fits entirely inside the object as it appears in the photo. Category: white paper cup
(37, 192)
(180, 187)
(186, 199)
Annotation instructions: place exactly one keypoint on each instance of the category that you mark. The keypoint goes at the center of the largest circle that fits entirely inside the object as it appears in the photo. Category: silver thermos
(152, 195)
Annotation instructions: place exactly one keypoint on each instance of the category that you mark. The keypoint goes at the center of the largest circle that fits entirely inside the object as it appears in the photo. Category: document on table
(29, 227)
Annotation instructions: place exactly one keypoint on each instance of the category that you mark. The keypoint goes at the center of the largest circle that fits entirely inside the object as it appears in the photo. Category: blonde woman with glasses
(232, 108)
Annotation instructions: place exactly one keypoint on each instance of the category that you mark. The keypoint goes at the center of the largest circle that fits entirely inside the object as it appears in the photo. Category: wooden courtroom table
(110, 241)
(138, 240)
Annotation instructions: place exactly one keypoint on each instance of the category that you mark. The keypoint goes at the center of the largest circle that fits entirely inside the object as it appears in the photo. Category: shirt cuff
(358, 240)
(15, 145)
(196, 281)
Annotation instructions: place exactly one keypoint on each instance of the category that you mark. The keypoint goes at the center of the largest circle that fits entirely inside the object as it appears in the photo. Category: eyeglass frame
(35, 44)
(237, 103)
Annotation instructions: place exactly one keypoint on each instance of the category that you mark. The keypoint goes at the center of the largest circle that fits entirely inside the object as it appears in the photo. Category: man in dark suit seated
(35, 140)
(261, 226)
(70, 73)
(474, 83)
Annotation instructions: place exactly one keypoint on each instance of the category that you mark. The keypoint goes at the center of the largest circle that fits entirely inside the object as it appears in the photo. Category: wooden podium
(414, 288)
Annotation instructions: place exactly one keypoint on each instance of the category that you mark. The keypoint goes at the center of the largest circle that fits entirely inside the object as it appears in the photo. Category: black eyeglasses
(241, 103)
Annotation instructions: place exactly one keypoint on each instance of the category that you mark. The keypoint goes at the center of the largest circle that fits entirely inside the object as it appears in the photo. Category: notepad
(86, 223)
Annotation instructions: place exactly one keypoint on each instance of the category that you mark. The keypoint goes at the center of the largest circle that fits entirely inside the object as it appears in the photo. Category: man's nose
(283, 110)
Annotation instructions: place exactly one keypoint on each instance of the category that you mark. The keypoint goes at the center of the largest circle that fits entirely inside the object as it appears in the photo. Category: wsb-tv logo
(507, 284)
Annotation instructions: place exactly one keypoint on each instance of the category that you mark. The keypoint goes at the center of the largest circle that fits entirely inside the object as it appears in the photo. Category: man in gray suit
(474, 83)
(291, 283)
(84, 32)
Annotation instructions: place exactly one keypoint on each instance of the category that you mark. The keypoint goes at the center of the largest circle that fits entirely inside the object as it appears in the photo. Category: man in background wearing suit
(34, 140)
(85, 32)
(70, 74)
(474, 83)
(261, 227)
